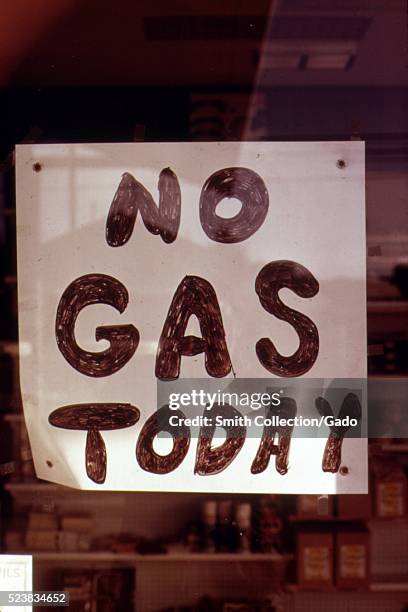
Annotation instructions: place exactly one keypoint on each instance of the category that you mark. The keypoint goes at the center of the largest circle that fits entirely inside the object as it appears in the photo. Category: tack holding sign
(262, 244)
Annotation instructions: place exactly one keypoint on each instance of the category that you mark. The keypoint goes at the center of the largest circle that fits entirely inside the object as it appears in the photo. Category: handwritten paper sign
(140, 263)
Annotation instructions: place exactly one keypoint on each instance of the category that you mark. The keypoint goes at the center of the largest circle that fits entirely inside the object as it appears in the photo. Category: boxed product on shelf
(243, 516)
(41, 540)
(314, 507)
(42, 521)
(390, 490)
(79, 586)
(48, 532)
(225, 531)
(71, 541)
(314, 559)
(352, 557)
(354, 507)
(78, 523)
(99, 591)
(113, 590)
(209, 524)
(14, 536)
(270, 524)
(238, 607)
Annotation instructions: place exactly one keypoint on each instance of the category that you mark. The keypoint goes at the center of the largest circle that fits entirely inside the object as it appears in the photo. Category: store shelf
(24, 488)
(389, 587)
(134, 559)
(374, 587)
(395, 448)
(322, 520)
(387, 376)
(387, 307)
(31, 487)
(388, 319)
(13, 417)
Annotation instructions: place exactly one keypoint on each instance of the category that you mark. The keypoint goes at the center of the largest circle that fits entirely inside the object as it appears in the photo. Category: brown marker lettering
(273, 277)
(194, 296)
(124, 339)
(131, 196)
(243, 184)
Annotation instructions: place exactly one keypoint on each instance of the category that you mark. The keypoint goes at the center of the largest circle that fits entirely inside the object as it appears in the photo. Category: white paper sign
(16, 574)
(238, 222)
